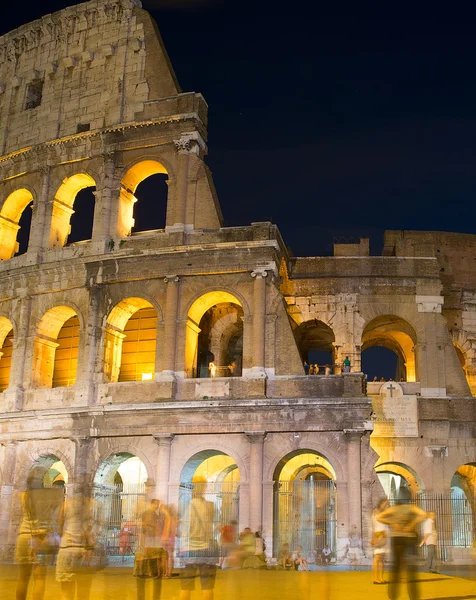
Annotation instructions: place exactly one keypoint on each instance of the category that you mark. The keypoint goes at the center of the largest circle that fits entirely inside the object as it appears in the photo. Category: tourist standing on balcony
(346, 365)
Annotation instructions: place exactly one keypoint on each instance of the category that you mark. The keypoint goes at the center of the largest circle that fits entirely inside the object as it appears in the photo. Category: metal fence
(453, 519)
(225, 498)
(305, 515)
(118, 511)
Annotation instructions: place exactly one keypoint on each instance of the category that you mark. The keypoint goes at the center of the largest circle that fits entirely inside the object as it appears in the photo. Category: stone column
(256, 439)
(106, 206)
(80, 484)
(21, 343)
(39, 230)
(89, 351)
(188, 144)
(164, 441)
(259, 323)
(169, 344)
(430, 354)
(353, 438)
(6, 491)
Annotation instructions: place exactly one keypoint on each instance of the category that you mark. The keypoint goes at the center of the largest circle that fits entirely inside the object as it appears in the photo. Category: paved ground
(118, 584)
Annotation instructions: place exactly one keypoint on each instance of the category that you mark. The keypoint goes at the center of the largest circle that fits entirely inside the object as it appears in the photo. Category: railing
(218, 371)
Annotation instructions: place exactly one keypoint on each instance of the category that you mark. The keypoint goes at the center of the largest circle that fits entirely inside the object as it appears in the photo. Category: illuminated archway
(215, 476)
(6, 350)
(63, 207)
(10, 215)
(120, 490)
(397, 335)
(130, 341)
(47, 471)
(129, 186)
(315, 341)
(55, 349)
(304, 502)
(463, 506)
(214, 336)
(393, 476)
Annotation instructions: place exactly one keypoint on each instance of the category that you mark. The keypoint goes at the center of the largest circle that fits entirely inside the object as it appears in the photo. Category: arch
(63, 207)
(131, 340)
(6, 351)
(396, 334)
(411, 478)
(47, 471)
(295, 461)
(315, 342)
(120, 488)
(135, 174)
(10, 214)
(213, 332)
(46, 360)
(304, 501)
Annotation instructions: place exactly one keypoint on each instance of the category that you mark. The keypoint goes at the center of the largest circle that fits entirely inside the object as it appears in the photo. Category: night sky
(334, 123)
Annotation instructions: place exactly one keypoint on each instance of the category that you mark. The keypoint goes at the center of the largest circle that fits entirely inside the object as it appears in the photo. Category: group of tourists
(315, 369)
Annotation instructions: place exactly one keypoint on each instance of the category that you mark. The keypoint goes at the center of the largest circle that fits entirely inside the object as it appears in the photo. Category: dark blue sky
(328, 120)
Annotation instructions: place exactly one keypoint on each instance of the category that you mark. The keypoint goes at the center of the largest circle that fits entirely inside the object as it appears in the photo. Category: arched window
(55, 350)
(67, 196)
(315, 341)
(143, 198)
(131, 339)
(389, 333)
(15, 221)
(214, 336)
(6, 350)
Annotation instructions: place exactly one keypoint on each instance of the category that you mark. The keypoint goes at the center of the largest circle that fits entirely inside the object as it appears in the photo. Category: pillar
(80, 484)
(106, 216)
(259, 323)
(188, 144)
(169, 344)
(40, 221)
(354, 476)
(256, 440)
(90, 346)
(164, 442)
(6, 491)
(21, 341)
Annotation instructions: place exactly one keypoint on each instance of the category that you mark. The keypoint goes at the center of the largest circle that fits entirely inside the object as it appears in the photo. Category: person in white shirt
(429, 540)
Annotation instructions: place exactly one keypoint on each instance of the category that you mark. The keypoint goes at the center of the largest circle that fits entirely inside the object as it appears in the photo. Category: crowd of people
(63, 534)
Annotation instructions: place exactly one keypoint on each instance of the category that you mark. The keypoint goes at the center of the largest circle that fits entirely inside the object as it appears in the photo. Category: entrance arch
(315, 342)
(130, 186)
(463, 497)
(47, 471)
(215, 476)
(393, 476)
(120, 488)
(214, 336)
(397, 335)
(304, 502)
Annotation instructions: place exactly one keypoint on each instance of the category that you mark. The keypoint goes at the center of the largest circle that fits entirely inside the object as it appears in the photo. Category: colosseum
(140, 360)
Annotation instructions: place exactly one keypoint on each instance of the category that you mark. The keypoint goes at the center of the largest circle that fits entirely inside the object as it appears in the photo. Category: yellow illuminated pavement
(118, 584)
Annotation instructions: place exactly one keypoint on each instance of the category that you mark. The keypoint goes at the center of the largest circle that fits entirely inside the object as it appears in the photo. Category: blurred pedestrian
(149, 557)
(285, 559)
(429, 540)
(403, 520)
(198, 549)
(227, 542)
(379, 541)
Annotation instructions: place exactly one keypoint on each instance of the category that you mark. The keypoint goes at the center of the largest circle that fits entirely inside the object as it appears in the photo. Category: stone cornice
(19, 156)
(59, 25)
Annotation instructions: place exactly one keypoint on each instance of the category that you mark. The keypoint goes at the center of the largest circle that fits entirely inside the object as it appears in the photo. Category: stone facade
(107, 111)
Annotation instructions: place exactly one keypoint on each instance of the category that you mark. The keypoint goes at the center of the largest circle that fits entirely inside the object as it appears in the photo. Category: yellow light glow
(146, 376)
